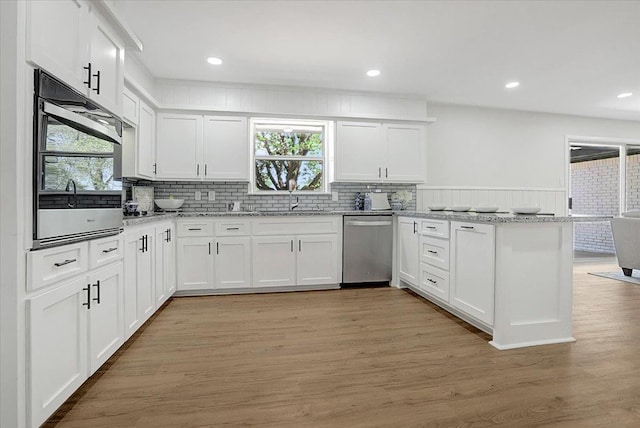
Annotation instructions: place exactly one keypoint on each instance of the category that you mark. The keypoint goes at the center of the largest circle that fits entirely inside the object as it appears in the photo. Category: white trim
(600, 141)
(530, 189)
(534, 343)
(114, 17)
(137, 87)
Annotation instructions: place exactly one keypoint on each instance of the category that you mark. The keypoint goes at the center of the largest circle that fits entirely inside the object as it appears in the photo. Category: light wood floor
(363, 358)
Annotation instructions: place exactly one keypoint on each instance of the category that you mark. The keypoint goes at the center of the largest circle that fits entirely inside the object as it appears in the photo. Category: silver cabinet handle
(110, 250)
(368, 223)
(66, 262)
(467, 227)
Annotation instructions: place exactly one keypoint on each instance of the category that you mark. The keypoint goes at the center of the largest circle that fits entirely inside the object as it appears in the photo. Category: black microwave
(77, 166)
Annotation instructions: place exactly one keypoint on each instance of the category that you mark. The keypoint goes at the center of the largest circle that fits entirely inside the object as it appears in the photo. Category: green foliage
(274, 174)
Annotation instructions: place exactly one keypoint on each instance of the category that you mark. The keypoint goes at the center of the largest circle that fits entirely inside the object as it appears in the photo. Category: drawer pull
(467, 227)
(431, 227)
(97, 299)
(432, 281)
(195, 228)
(66, 262)
(88, 302)
(233, 228)
(109, 250)
(432, 252)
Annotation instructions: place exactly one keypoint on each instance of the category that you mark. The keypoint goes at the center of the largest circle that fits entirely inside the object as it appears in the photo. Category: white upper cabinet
(179, 147)
(106, 56)
(70, 41)
(56, 39)
(375, 152)
(403, 153)
(146, 142)
(226, 148)
(359, 147)
(130, 103)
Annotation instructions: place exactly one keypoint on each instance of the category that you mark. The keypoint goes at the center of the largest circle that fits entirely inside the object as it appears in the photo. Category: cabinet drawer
(233, 227)
(104, 251)
(437, 228)
(434, 251)
(195, 228)
(434, 281)
(292, 226)
(45, 267)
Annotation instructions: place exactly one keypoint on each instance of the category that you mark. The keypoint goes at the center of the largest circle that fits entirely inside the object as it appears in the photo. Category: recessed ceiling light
(512, 85)
(214, 61)
(625, 95)
(373, 73)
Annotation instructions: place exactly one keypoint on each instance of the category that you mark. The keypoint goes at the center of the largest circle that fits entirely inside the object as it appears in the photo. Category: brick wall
(594, 189)
(238, 191)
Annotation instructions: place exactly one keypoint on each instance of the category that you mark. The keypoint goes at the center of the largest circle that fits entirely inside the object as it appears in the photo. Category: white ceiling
(571, 57)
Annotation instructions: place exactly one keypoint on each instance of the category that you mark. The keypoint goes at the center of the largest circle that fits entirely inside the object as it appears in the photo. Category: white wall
(485, 147)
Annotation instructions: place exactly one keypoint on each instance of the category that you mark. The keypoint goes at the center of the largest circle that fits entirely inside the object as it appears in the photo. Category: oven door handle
(76, 120)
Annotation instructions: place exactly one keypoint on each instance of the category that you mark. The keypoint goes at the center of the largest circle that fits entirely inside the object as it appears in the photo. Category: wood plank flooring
(365, 358)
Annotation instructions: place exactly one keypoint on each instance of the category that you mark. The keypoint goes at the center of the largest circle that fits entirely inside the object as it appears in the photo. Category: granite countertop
(437, 215)
(502, 217)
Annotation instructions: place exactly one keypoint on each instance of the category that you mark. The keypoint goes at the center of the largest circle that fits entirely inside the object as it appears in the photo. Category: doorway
(604, 179)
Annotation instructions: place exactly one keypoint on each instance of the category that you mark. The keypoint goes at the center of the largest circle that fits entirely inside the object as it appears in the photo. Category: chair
(626, 236)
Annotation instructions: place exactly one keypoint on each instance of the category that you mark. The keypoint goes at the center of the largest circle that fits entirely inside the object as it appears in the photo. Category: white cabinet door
(179, 146)
(408, 250)
(226, 148)
(139, 300)
(106, 55)
(274, 261)
(57, 347)
(130, 107)
(56, 39)
(195, 264)
(358, 151)
(106, 315)
(317, 259)
(233, 262)
(403, 153)
(472, 269)
(165, 263)
(146, 142)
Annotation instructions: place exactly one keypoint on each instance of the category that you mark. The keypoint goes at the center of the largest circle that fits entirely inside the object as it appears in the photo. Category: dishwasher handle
(368, 223)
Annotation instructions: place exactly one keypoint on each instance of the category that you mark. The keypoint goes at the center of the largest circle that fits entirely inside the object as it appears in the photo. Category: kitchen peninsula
(509, 275)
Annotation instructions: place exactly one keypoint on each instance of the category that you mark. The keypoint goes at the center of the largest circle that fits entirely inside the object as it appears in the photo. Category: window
(289, 154)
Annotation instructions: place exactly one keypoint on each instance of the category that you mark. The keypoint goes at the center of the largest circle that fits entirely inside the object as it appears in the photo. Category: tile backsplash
(229, 191)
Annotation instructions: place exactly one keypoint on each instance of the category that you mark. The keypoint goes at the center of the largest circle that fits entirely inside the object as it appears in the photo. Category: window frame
(327, 142)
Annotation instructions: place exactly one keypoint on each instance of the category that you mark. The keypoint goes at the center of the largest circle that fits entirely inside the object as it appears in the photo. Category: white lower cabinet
(73, 329)
(138, 277)
(408, 247)
(233, 262)
(316, 262)
(195, 264)
(274, 261)
(57, 347)
(165, 262)
(106, 314)
(473, 269)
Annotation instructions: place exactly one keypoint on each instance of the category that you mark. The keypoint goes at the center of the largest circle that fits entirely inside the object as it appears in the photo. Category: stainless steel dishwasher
(366, 249)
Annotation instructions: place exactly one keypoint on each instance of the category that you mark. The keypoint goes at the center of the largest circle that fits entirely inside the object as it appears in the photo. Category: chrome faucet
(75, 194)
(293, 205)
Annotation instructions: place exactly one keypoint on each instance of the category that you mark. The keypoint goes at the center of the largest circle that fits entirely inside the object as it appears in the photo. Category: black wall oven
(77, 166)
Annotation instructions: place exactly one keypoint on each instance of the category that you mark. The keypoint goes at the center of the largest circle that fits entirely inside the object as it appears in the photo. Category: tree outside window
(289, 151)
